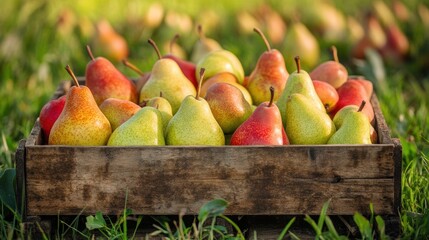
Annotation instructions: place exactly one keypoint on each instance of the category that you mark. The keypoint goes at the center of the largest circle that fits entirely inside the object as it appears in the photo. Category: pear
(118, 111)
(341, 114)
(164, 108)
(355, 129)
(227, 78)
(306, 124)
(81, 122)
(298, 82)
(109, 43)
(221, 61)
(228, 105)
(188, 68)
(327, 94)
(271, 71)
(203, 46)
(167, 77)
(49, 114)
(106, 81)
(194, 123)
(263, 127)
(352, 92)
(332, 72)
(143, 128)
(300, 41)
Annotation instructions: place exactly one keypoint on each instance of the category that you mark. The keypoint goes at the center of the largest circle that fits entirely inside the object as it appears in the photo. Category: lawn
(39, 38)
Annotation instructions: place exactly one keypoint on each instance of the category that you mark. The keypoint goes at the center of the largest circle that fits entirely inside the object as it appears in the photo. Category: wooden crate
(255, 180)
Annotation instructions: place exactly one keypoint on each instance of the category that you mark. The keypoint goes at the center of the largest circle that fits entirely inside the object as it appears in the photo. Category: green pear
(168, 78)
(203, 46)
(143, 128)
(81, 122)
(305, 123)
(300, 41)
(194, 123)
(221, 61)
(343, 112)
(355, 129)
(163, 106)
(228, 105)
(298, 82)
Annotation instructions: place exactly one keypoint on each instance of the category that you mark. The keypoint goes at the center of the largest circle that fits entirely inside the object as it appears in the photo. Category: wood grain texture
(255, 180)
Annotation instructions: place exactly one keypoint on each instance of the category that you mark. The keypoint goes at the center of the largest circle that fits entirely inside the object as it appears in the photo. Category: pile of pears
(210, 101)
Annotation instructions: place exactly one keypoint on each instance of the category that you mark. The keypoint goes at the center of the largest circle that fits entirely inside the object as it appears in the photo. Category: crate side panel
(255, 180)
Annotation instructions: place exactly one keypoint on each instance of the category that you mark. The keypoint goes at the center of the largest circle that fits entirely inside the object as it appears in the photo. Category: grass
(35, 47)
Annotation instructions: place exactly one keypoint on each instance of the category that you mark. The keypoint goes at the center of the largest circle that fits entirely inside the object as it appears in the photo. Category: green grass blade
(286, 228)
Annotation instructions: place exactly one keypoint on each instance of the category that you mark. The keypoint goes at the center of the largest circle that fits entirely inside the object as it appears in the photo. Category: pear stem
(271, 96)
(202, 71)
(72, 75)
(160, 93)
(200, 32)
(298, 64)
(151, 42)
(132, 67)
(335, 53)
(88, 49)
(258, 31)
(362, 105)
(173, 41)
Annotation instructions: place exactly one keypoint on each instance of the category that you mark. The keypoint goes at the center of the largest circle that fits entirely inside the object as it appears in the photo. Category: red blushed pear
(106, 81)
(327, 94)
(353, 93)
(332, 72)
(367, 84)
(270, 71)
(81, 123)
(49, 114)
(263, 127)
(188, 68)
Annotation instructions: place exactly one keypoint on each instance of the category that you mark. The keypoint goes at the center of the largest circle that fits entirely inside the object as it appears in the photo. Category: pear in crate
(163, 106)
(270, 71)
(188, 68)
(332, 72)
(143, 128)
(106, 81)
(327, 94)
(354, 129)
(298, 82)
(227, 78)
(194, 123)
(263, 127)
(221, 61)
(81, 122)
(167, 77)
(228, 105)
(118, 111)
(341, 115)
(203, 46)
(305, 123)
(49, 114)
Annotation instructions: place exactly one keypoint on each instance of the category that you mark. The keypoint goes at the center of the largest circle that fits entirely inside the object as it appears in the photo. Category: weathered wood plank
(255, 180)
(166, 196)
(381, 127)
(20, 178)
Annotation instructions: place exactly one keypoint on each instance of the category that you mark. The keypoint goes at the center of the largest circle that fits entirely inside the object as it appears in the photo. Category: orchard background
(38, 38)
